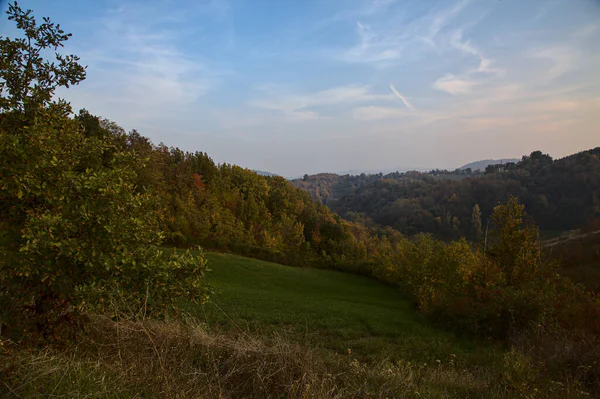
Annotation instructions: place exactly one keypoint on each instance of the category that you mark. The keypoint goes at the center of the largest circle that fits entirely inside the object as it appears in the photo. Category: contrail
(402, 98)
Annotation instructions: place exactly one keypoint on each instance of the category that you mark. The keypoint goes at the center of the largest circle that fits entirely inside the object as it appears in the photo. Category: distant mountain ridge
(263, 173)
(481, 165)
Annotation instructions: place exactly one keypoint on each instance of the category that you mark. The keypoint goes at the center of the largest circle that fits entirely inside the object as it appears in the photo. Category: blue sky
(296, 87)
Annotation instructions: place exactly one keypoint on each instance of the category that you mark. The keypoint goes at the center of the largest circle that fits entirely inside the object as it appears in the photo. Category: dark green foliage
(75, 231)
(27, 79)
(558, 194)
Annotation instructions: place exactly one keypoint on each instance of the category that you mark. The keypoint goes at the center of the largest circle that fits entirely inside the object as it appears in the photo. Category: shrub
(74, 228)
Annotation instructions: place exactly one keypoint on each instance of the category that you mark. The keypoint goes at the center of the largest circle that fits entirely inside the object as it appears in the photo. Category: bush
(74, 228)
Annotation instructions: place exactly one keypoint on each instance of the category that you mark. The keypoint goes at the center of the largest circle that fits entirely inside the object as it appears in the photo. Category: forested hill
(228, 208)
(482, 165)
(560, 194)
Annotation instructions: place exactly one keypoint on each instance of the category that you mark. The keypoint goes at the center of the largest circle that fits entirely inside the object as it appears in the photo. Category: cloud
(169, 68)
(564, 60)
(298, 105)
(464, 83)
(367, 9)
(376, 113)
(139, 66)
(370, 113)
(454, 85)
(372, 48)
(402, 98)
(391, 39)
(465, 46)
(442, 19)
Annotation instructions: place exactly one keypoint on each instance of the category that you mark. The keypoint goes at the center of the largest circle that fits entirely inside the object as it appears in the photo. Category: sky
(306, 86)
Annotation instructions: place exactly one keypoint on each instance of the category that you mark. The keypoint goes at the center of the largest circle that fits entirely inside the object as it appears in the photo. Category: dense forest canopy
(560, 194)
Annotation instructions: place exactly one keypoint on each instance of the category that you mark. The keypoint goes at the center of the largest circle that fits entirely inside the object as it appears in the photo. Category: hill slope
(560, 195)
(328, 309)
(270, 331)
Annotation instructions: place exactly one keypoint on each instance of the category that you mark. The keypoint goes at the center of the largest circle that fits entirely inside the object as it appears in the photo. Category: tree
(27, 79)
(476, 221)
(514, 243)
(75, 233)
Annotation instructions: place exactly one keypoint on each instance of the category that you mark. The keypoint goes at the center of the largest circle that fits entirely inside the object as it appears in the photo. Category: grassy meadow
(328, 310)
(268, 331)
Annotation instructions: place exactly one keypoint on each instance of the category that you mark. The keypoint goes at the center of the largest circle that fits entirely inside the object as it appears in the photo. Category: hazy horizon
(295, 87)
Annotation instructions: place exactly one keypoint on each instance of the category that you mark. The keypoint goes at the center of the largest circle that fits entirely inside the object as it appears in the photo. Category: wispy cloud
(139, 67)
(454, 85)
(340, 70)
(396, 39)
(465, 46)
(401, 117)
(402, 98)
(370, 113)
(372, 48)
(302, 106)
(469, 77)
(442, 18)
(366, 9)
(564, 60)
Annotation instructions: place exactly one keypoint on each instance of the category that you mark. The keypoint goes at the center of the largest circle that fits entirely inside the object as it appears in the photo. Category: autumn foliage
(87, 208)
(76, 232)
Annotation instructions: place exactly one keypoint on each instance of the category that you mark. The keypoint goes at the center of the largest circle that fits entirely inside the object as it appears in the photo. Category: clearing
(328, 310)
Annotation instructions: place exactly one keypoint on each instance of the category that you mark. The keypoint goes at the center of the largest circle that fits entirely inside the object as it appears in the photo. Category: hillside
(481, 165)
(579, 255)
(329, 309)
(560, 195)
(106, 288)
(268, 328)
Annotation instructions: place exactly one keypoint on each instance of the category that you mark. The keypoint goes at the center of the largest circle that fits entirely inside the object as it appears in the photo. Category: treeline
(228, 208)
(560, 195)
(87, 209)
(504, 287)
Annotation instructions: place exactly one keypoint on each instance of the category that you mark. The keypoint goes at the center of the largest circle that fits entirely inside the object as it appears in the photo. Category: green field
(328, 310)
(271, 331)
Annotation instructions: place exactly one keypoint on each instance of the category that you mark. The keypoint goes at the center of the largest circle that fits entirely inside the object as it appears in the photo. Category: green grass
(328, 310)
(268, 331)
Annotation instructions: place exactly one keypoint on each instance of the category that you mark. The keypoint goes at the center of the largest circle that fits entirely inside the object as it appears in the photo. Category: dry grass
(567, 359)
(146, 358)
(137, 357)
